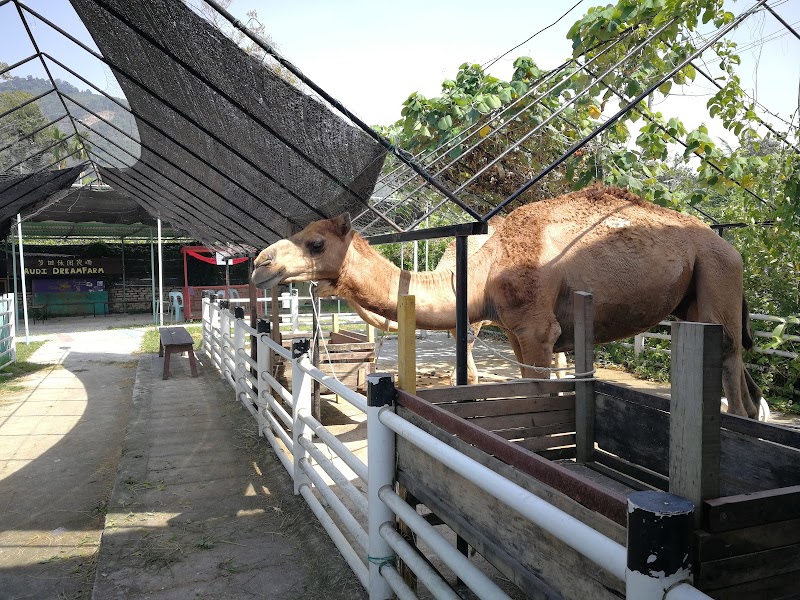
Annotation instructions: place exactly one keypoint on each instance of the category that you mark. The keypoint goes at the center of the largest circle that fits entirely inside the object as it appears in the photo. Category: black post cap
(380, 389)
(300, 346)
(238, 312)
(263, 326)
(659, 532)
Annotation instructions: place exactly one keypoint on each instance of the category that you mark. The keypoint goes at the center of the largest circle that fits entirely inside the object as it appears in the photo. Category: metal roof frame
(177, 178)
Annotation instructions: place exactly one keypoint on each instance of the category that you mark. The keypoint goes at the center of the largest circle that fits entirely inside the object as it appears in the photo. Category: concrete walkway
(200, 506)
(59, 446)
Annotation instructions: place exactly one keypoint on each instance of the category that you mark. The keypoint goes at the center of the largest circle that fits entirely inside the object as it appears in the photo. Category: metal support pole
(659, 544)
(16, 293)
(160, 278)
(124, 279)
(153, 277)
(462, 317)
(22, 272)
(381, 465)
(301, 399)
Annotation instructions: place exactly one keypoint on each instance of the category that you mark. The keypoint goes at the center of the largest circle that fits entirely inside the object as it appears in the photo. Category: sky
(371, 54)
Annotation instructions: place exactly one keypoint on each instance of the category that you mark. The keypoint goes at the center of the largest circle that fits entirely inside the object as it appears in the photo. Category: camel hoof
(763, 410)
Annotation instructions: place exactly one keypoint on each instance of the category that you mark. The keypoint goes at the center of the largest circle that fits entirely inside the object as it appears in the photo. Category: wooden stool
(176, 339)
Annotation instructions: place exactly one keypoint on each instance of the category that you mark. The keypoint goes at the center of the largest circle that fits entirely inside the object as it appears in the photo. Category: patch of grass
(12, 372)
(151, 338)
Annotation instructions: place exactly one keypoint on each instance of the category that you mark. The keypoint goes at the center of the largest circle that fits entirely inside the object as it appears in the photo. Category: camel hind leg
(719, 300)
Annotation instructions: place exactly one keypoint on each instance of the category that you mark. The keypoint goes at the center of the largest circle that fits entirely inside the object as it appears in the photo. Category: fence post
(659, 544)
(263, 366)
(301, 401)
(239, 365)
(12, 324)
(584, 390)
(204, 323)
(638, 345)
(380, 473)
(213, 339)
(224, 335)
(694, 438)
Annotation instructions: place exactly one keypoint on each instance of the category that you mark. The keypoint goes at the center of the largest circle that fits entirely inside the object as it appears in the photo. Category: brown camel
(447, 263)
(641, 262)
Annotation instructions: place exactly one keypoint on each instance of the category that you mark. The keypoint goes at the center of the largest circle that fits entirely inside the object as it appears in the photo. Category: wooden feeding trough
(583, 446)
(347, 355)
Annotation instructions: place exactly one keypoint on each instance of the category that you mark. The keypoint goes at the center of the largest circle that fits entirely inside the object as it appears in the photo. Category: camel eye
(316, 246)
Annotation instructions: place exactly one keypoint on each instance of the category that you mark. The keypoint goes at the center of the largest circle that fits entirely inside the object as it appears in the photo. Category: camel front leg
(536, 341)
(472, 369)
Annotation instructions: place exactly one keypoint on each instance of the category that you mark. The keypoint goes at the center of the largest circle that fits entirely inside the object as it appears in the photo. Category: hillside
(51, 109)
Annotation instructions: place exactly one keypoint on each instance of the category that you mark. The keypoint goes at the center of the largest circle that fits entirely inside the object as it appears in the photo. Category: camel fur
(640, 261)
(447, 263)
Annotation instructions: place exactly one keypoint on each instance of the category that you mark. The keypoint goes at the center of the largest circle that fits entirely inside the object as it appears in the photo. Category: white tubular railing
(8, 341)
(596, 547)
(362, 526)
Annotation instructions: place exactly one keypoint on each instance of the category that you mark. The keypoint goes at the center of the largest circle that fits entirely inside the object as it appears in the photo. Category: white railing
(332, 478)
(639, 343)
(8, 341)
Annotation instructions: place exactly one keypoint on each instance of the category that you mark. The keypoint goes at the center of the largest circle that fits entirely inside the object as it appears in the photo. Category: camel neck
(376, 284)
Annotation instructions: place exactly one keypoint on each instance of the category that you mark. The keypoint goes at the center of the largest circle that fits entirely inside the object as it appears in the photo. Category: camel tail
(747, 337)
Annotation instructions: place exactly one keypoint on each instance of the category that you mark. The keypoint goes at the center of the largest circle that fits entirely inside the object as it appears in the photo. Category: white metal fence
(777, 336)
(332, 478)
(8, 342)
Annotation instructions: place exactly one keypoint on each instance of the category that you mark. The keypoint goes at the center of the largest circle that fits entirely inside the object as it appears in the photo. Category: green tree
(61, 148)
(16, 130)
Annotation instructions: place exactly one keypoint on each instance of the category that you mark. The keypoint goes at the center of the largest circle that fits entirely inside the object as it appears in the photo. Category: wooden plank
(175, 336)
(554, 454)
(599, 499)
(406, 344)
(527, 420)
(715, 546)
(636, 433)
(520, 550)
(767, 431)
(568, 504)
(779, 587)
(496, 390)
(737, 512)
(584, 390)
(631, 395)
(534, 432)
(489, 408)
(549, 441)
(747, 568)
(331, 356)
(348, 337)
(649, 479)
(753, 465)
(694, 448)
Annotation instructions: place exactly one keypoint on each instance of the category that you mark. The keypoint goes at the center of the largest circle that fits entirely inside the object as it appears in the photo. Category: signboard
(72, 266)
(55, 286)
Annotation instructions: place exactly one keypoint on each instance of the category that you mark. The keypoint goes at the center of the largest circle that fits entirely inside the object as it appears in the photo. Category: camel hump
(747, 336)
(598, 190)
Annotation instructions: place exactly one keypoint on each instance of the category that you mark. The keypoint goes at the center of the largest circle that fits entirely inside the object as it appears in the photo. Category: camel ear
(342, 224)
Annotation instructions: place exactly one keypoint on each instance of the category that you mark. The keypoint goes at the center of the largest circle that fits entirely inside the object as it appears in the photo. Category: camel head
(315, 253)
